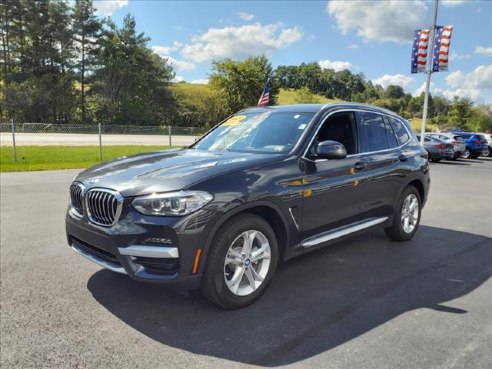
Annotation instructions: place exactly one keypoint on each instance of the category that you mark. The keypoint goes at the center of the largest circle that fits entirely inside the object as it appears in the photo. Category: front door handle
(360, 165)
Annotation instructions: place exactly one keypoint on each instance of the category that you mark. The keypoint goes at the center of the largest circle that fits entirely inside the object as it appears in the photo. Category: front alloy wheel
(241, 262)
(466, 154)
(247, 263)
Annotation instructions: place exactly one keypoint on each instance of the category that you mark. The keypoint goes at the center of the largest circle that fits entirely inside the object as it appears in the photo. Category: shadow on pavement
(453, 162)
(316, 302)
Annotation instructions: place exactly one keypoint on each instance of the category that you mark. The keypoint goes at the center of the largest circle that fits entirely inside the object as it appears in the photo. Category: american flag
(441, 48)
(265, 95)
(419, 50)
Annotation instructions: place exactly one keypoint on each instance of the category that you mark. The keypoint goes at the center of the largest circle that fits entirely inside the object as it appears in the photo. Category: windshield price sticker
(234, 121)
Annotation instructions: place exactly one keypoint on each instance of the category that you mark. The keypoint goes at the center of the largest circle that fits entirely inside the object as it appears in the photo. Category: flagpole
(430, 53)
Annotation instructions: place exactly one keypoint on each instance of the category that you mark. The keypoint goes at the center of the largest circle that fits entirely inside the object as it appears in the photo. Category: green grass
(286, 97)
(188, 87)
(63, 157)
(417, 122)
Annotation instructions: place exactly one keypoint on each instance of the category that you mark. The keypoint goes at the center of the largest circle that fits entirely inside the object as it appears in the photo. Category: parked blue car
(474, 144)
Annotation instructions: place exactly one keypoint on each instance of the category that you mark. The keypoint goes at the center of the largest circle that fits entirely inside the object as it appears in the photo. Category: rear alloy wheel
(407, 217)
(241, 262)
(466, 154)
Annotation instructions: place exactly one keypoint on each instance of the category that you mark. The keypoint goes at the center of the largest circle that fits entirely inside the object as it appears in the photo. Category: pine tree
(86, 31)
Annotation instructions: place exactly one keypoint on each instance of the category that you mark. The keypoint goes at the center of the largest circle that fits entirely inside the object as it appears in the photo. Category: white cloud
(390, 20)
(484, 50)
(476, 85)
(456, 56)
(201, 81)
(240, 42)
(353, 46)
(179, 64)
(166, 50)
(432, 88)
(452, 3)
(246, 16)
(177, 79)
(395, 80)
(106, 8)
(335, 65)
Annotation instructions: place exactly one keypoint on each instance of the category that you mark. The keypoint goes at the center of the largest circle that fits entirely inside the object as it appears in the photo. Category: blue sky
(369, 37)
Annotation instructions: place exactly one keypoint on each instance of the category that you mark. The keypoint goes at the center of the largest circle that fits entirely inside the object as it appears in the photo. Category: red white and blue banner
(440, 54)
(419, 50)
(442, 41)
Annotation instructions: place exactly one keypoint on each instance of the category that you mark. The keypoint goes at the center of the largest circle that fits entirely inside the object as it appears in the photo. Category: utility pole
(430, 52)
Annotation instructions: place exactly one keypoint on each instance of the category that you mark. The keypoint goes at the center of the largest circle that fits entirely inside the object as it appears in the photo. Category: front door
(335, 191)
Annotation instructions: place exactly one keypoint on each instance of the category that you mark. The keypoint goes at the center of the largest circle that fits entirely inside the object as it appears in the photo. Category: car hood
(165, 171)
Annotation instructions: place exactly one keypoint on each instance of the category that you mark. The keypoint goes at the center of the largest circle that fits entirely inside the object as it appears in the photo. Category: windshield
(271, 131)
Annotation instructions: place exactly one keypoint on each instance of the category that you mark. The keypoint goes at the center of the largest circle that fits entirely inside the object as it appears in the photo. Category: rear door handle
(402, 157)
(360, 165)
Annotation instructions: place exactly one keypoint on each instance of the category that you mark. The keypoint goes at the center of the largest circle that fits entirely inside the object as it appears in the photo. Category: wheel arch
(417, 183)
(268, 211)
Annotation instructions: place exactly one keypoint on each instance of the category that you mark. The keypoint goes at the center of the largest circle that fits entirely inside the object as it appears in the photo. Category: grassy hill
(188, 87)
(285, 97)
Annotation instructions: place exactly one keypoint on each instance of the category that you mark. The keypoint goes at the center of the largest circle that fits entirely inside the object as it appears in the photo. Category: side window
(393, 142)
(400, 131)
(339, 127)
(373, 132)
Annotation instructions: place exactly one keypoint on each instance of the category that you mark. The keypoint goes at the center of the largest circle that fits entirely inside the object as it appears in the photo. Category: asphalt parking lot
(363, 303)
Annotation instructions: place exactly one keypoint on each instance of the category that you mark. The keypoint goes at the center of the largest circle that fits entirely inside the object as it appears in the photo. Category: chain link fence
(101, 135)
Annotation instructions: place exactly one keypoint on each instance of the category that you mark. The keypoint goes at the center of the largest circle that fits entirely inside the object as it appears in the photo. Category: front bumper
(146, 248)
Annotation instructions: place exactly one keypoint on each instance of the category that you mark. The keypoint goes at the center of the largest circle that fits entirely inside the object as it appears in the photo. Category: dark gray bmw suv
(264, 186)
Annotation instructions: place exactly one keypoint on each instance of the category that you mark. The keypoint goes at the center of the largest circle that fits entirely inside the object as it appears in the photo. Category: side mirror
(330, 150)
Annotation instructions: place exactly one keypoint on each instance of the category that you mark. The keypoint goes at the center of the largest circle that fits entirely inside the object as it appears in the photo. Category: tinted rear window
(373, 133)
(400, 130)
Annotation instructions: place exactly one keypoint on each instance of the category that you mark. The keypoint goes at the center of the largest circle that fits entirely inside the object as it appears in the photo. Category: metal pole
(169, 132)
(430, 53)
(13, 139)
(100, 142)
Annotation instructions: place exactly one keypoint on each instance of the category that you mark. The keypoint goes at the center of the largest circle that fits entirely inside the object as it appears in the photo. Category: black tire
(397, 232)
(214, 281)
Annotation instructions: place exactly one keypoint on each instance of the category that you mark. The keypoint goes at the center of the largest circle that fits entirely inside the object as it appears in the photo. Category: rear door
(379, 148)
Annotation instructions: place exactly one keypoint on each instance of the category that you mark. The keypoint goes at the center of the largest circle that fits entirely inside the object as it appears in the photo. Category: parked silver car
(437, 149)
(459, 145)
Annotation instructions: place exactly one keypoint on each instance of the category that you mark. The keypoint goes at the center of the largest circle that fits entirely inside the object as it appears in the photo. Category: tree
(242, 82)
(132, 79)
(305, 96)
(394, 92)
(460, 112)
(86, 32)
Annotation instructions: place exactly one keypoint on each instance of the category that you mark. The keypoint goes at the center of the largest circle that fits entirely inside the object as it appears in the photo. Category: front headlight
(172, 203)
